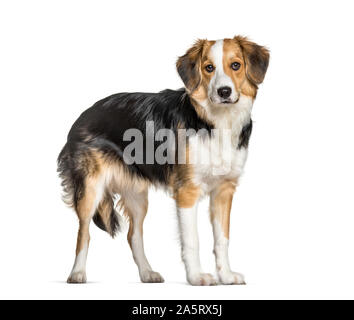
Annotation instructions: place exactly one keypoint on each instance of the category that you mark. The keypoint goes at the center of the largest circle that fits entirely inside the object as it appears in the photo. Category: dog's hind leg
(85, 209)
(135, 205)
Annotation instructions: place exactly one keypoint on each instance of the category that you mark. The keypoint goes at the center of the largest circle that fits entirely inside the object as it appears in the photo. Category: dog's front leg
(220, 208)
(187, 202)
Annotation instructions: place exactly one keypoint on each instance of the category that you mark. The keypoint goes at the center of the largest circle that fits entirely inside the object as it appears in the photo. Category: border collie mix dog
(192, 142)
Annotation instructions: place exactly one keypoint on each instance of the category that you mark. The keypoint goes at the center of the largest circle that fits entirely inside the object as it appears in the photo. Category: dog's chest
(219, 157)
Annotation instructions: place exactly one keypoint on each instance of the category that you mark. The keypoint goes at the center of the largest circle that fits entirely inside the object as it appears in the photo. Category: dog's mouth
(226, 101)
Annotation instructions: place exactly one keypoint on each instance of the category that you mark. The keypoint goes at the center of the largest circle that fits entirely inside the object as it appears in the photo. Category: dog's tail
(107, 218)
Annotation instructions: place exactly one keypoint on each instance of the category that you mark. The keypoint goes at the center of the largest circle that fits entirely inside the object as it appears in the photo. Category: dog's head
(220, 71)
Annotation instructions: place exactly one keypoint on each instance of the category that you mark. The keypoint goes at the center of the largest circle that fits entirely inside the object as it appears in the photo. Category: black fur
(72, 174)
(188, 71)
(98, 221)
(102, 127)
(245, 135)
(114, 222)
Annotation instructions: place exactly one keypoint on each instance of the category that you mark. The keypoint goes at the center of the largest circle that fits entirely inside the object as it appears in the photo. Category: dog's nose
(224, 92)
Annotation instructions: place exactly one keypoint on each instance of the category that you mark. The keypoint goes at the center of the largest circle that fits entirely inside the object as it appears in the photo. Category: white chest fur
(218, 157)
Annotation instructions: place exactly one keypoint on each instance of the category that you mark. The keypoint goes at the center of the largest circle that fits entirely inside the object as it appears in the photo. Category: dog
(98, 164)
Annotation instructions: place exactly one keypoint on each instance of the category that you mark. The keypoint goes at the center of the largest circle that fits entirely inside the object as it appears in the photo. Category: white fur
(187, 218)
(221, 248)
(145, 271)
(78, 273)
(220, 78)
(217, 159)
(135, 202)
(189, 238)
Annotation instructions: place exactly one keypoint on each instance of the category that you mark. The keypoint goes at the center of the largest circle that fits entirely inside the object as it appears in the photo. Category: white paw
(77, 277)
(151, 277)
(231, 278)
(201, 279)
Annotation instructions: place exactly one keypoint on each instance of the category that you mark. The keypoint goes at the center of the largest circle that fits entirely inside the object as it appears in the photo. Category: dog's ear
(188, 66)
(256, 59)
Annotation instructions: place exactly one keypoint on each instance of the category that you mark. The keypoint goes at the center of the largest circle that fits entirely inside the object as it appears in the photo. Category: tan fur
(104, 209)
(190, 62)
(220, 205)
(136, 219)
(185, 192)
(117, 177)
(252, 52)
(187, 196)
(83, 237)
(120, 181)
(85, 210)
(201, 92)
(239, 49)
(233, 53)
(200, 110)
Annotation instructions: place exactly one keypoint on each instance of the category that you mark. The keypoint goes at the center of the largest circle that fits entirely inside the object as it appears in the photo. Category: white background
(292, 218)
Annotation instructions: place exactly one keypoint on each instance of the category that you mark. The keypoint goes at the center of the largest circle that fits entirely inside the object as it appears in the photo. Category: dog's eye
(235, 66)
(209, 68)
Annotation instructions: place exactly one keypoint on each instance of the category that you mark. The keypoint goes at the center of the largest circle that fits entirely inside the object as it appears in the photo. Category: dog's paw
(77, 277)
(231, 278)
(151, 277)
(202, 279)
